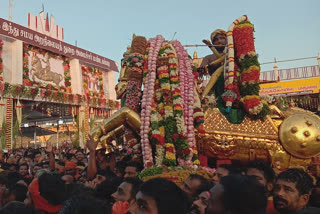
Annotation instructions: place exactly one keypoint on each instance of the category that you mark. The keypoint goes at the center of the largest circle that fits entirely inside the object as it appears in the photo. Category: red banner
(24, 34)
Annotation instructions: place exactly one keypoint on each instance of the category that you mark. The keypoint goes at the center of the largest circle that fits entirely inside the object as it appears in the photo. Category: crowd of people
(66, 180)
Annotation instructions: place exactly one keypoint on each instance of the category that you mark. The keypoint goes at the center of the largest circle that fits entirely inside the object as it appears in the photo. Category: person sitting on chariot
(219, 41)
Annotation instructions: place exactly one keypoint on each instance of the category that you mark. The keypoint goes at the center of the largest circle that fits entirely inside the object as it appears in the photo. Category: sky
(284, 29)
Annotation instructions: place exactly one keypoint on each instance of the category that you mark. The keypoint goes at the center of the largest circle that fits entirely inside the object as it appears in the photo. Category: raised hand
(91, 144)
(49, 148)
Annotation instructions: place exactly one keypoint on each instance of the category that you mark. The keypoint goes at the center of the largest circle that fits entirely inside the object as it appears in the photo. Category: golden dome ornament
(300, 135)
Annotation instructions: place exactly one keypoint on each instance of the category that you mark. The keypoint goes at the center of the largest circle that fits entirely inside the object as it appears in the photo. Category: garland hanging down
(167, 122)
(247, 68)
(31, 89)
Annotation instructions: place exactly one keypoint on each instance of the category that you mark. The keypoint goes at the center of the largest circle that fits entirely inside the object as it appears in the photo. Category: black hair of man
(170, 199)
(23, 164)
(35, 152)
(243, 195)
(106, 188)
(203, 183)
(3, 178)
(61, 163)
(108, 173)
(79, 189)
(120, 166)
(205, 187)
(303, 180)
(233, 170)
(13, 165)
(13, 177)
(84, 204)
(314, 200)
(136, 183)
(134, 164)
(52, 188)
(268, 172)
(79, 163)
(16, 207)
(19, 191)
(44, 163)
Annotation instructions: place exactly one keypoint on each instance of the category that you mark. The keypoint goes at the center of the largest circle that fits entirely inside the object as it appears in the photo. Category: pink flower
(135, 59)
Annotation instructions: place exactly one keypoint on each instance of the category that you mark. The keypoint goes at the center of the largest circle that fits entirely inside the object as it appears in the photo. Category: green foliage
(76, 138)
(249, 61)
(3, 135)
(249, 89)
(155, 170)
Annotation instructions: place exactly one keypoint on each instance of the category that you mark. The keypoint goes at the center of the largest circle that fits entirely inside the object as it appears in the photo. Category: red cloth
(203, 160)
(120, 207)
(40, 202)
(219, 162)
(270, 207)
(70, 165)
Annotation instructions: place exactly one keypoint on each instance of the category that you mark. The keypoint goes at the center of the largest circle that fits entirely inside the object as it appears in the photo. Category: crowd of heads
(68, 181)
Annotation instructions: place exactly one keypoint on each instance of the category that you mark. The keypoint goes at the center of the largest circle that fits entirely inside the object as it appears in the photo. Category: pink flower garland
(148, 93)
(187, 94)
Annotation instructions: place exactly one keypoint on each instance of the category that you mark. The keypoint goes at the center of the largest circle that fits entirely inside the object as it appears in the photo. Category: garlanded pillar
(9, 108)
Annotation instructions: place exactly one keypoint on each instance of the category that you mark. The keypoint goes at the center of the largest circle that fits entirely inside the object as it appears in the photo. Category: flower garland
(157, 135)
(147, 97)
(50, 94)
(96, 73)
(1, 63)
(249, 69)
(187, 94)
(66, 67)
(241, 42)
(165, 102)
(232, 91)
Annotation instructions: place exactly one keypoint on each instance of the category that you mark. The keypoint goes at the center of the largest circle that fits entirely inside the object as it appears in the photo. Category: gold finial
(195, 55)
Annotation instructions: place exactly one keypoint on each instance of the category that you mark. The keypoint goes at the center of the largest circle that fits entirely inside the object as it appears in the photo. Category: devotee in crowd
(126, 194)
(16, 207)
(159, 196)
(98, 160)
(70, 168)
(315, 195)
(266, 176)
(292, 192)
(192, 185)
(65, 183)
(16, 192)
(131, 169)
(84, 204)
(46, 194)
(224, 170)
(36, 168)
(237, 194)
(200, 203)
